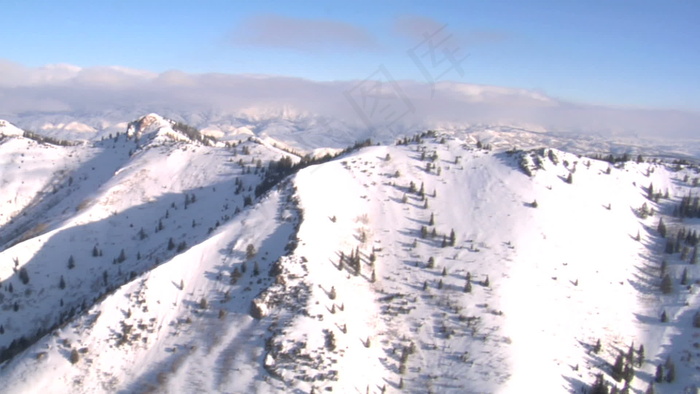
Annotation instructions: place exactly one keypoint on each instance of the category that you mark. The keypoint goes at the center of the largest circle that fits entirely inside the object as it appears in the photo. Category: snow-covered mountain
(461, 260)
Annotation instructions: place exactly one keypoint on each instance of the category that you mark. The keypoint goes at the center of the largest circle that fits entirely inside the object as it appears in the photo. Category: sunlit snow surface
(561, 275)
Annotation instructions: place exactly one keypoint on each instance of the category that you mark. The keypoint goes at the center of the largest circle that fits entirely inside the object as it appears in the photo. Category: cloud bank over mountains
(376, 103)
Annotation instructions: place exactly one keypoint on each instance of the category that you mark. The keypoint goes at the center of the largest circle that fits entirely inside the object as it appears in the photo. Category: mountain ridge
(446, 262)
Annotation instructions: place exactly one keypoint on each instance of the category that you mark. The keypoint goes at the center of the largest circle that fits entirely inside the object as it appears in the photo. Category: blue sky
(619, 53)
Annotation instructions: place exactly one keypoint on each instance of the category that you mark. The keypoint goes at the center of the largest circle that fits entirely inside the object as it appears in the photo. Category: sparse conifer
(661, 228)
(74, 356)
(666, 284)
(670, 371)
(659, 375)
(468, 287)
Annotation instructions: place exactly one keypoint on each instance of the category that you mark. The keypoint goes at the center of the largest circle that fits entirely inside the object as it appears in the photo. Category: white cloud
(73, 91)
(419, 28)
(278, 31)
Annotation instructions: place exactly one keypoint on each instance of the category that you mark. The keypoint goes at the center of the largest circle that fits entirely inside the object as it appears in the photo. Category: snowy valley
(158, 259)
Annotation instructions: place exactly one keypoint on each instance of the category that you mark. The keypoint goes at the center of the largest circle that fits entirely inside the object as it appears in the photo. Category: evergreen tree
(250, 251)
(423, 232)
(62, 283)
(599, 387)
(694, 255)
(666, 284)
(453, 237)
(487, 283)
(659, 375)
(640, 355)
(431, 262)
(618, 368)
(95, 251)
(628, 374)
(629, 357)
(664, 265)
(670, 370)
(122, 257)
(444, 271)
(74, 356)
(597, 347)
(71, 262)
(696, 319)
(171, 244)
(23, 276)
(431, 222)
(570, 179)
(664, 317)
(468, 287)
(684, 277)
(661, 228)
(235, 275)
(256, 269)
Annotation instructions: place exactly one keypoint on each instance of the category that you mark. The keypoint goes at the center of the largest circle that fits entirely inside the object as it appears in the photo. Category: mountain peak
(7, 128)
(160, 128)
(147, 124)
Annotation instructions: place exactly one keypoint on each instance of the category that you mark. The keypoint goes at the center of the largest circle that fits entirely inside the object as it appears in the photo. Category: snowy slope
(218, 294)
(553, 271)
(105, 224)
